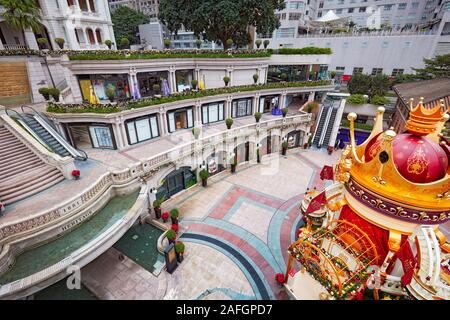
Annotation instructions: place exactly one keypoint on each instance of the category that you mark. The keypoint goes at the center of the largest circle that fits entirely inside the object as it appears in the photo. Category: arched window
(98, 34)
(91, 36)
(92, 5)
(70, 3)
(83, 5)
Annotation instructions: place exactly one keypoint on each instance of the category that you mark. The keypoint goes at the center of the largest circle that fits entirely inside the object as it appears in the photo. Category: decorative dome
(373, 147)
(418, 159)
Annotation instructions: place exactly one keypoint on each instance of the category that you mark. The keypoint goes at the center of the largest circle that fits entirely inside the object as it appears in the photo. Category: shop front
(269, 103)
(242, 153)
(142, 129)
(94, 88)
(91, 135)
(215, 162)
(289, 73)
(295, 139)
(241, 107)
(183, 79)
(213, 112)
(176, 181)
(180, 119)
(146, 81)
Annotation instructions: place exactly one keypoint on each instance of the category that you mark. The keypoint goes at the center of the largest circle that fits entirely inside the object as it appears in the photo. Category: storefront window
(287, 73)
(212, 112)
(101, 136)
(177, 181)
(184, 78)
(94, 87)
(142, 129)
(323, 72)
(146, 80)
(180, 119)
(267, 103)
(241, 107)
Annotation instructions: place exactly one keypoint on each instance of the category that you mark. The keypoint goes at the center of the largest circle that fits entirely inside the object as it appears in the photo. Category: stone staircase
(22, 173)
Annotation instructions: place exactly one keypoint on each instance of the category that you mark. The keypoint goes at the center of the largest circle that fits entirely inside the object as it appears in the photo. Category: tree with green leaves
(21, 15)
(220, 20)
(126, 22)
(359, 84)
(379, 85)
(438, 66)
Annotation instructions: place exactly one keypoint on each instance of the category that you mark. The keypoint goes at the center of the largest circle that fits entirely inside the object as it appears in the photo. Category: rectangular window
(350, 10)
(338, 11)
(345, 45)
(142, 129)
(376, 71)
(384, 44)
(296, 5)
(402, 6)
(294, 16)
(285, 33)
(415, 5)
(397, 72)
(407, 44)
(101, 137)
(357, 70)
(388, 7)
(241, 107)
(340, 2)
(362, 9)
(364, 44)
(180, 119)
(212, 112)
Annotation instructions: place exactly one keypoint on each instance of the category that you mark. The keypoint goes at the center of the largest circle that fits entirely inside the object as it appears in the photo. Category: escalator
(45, 131)
(330, 126)
(319, 129)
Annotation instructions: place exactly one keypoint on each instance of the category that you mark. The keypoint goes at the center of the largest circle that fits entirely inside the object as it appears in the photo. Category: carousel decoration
(383, 212)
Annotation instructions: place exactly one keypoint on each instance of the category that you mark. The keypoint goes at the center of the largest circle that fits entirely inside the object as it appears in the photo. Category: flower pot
(174, 220)
(171, 241)
(205, 183)
(158, 213)
(111, 100)
(164, 220)
(61, 45)
(46, 97)
(258, 159)
(283, 151)
(233, 168)
(56, 98)
(228, 126)
(180, 257)
(305, 146)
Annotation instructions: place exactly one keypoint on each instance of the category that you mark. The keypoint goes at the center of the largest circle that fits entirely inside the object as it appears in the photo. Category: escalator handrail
(78, 154)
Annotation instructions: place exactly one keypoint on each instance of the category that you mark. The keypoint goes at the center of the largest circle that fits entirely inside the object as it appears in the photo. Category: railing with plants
(135, 104)
(159, 54)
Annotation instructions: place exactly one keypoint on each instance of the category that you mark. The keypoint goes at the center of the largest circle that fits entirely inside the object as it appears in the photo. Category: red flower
(175, 227)
(280, 278)
(165, 215)
(76, 173)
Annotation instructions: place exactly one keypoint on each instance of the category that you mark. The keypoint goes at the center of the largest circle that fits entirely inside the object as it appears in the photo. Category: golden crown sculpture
(424, 121)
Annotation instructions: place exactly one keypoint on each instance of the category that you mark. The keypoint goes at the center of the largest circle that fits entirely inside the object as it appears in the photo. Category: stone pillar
(162, 123)
(311, 96)
(197, 114)
(30, 39)
(255, 103)
(228, 108)
(282, 100)
(230, 74)
(1, 46)
(197, 75)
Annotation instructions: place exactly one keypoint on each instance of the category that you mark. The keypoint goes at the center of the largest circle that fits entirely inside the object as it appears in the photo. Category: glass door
(101, 137)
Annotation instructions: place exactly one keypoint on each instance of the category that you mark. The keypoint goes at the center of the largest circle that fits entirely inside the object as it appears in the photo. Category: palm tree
(22, 15)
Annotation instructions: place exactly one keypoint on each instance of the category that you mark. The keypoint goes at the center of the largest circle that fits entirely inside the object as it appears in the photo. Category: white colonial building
(83, 24)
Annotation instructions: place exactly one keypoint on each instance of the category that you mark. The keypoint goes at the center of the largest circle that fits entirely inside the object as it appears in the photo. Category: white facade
(83, 24)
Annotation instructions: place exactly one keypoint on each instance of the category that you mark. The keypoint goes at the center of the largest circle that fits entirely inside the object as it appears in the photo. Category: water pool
(139, 244)
(45, 255)
(59, 291)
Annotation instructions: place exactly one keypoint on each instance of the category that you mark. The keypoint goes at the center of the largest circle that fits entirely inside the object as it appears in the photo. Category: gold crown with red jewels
(423, 121)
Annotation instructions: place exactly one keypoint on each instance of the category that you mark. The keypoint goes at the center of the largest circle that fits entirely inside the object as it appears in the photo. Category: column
(1, 46)
(162, 123)
(30, 39)
(230, 74)
(311, 96)
(198, 115)
(228, 108)
(255, 104)
(197, 75)
(282, 100)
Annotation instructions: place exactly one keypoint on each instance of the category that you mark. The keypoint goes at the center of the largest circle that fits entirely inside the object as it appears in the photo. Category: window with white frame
(396, 72)
(376, 71)
(357, 70)
(142, 129)
(212, 112)
(285, 33)
(241, 107)
(402, 6)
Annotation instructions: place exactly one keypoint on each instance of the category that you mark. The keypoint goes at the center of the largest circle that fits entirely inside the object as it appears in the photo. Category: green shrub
(357, 99)
(378, 100)
(157, 203)
(229, 122)
(266, 43)
(167, 43)
(108, 43)
(194, 83)
(285, 111)
(258, 43)
(204, 174)
(124, 42)
(226, 80)
(284, 145)
(313, 105)
(170, 234)
(305, 50)
(255, 78)
(195, 131)
(258, 116)
(198, 43)
(179, 247)
(44, 91)
(54, 92)
(174, 213)
(332, 74)
(362, 126)
(42, 40)
(230, 42)
(156, 87)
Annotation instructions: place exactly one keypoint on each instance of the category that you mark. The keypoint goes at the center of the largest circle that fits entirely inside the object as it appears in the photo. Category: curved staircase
(22, 173)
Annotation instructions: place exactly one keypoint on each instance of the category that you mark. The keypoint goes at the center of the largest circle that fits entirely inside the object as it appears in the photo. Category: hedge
(361, 126)
(121, 106)
(305, 50)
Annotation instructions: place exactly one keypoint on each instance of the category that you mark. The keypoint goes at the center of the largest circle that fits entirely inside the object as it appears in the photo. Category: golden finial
(424, 121)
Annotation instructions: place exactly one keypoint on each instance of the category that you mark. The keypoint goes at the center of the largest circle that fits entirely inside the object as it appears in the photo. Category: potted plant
(226, 80)
(229, 43)
(54, 92)
(179, 250)
(258, 43)
(204, 175)
(233, 165)
(283, 76)
(198, 43)
(76, 174)
(110, 93)
(157, 206)
(42, 42)
(330, 149)
(45, 93)
(167, 43)
(108, 44)
(258, 116)
(156, 88)
(60, 42)
(332, 74)
(174, 227)
(174, 213)
(258, 157)
(255, 78)
(284, 147)
(164, 216)
(284, 111)
(171, 236)
(196, 132)
(229, 122)
(124, 43)
(194, 83)
(279, 277)
(266, 43)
